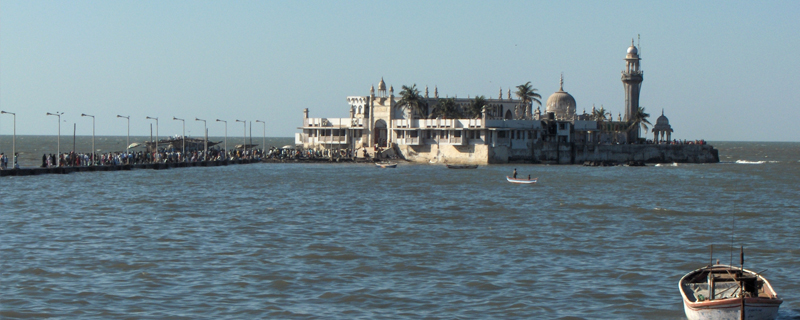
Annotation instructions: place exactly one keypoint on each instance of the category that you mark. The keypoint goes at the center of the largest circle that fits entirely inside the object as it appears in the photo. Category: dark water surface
(346, 241)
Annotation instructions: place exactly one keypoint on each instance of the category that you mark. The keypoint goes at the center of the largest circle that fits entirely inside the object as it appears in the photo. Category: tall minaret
(632, 81)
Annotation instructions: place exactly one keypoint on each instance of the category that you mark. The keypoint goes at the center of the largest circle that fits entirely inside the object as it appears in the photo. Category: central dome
(632, 50)
(561, 103)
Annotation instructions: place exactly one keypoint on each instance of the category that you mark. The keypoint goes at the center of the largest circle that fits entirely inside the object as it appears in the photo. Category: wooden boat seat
(723, 290)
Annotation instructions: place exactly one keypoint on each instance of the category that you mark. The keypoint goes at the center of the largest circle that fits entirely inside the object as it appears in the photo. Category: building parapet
(315, 140)
(514, 124)
(333, 123)
(436, 123)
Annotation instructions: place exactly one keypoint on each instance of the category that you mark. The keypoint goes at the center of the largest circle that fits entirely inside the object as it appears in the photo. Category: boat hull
(730, 309)
(386, 165)
(521, 181)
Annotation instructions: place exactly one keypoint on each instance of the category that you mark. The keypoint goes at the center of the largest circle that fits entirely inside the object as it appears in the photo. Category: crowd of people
(350, 154)
(327, 154)
(74, 159)
(77, 159)
(4, 161)
(679, 141)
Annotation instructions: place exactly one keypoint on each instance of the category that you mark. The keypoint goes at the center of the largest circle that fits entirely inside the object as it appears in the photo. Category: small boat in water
(385, 165)
(721, 292)
(461, 166)
(521, 181)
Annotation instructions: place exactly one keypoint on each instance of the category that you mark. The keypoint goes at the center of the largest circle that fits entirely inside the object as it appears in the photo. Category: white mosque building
(505, 131)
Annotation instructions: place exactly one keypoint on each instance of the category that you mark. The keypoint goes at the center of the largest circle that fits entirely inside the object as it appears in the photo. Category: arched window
(509, 115)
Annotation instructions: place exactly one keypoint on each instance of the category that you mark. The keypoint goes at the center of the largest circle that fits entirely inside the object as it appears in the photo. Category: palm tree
(447, 109)
(600, 114)
(639, 120)
(410, 98)
(475, 107)
(528, 95)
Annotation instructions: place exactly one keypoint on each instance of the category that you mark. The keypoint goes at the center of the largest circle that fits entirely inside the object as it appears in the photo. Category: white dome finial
(632, 49)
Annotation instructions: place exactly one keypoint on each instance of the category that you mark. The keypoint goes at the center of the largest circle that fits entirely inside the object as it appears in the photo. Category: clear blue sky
(721, 71)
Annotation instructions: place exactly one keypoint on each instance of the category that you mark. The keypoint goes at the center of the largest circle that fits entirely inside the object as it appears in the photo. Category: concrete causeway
(154, 166)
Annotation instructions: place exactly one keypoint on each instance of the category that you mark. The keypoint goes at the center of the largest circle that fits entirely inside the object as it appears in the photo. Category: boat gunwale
(773, 301)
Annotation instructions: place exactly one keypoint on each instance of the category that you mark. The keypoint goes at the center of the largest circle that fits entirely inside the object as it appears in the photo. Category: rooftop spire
(561, 83)
(382, 85)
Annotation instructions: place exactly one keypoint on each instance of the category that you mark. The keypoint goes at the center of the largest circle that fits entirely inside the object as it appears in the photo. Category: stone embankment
(650, 153)
(630, 154)
(320, 160)
(611, 164)
(560, 153)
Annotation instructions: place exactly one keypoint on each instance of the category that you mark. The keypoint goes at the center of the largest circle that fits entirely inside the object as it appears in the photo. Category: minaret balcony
(632, 76)
(633, 72)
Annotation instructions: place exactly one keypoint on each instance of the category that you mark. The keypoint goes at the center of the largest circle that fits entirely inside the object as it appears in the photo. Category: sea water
(352, 241)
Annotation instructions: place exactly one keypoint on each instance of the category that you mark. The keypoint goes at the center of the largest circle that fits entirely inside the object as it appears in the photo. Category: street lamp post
(183, 138)
(205, 143)
(93, 149)
(226, 137)
(58, 148)
(263, 137)
(127, 147)
(244, 140)
(156, 119)
(14, 141)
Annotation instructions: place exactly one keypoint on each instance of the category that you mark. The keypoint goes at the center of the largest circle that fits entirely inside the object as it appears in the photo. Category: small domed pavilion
(662, 131)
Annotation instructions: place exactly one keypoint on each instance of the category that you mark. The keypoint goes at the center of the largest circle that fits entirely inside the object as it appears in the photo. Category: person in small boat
(529, 177)
(514, 175)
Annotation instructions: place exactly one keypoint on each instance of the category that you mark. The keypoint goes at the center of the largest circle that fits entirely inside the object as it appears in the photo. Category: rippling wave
(345, 241)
